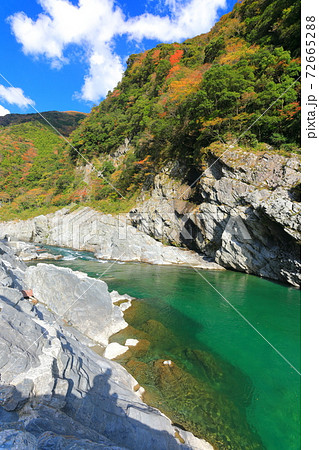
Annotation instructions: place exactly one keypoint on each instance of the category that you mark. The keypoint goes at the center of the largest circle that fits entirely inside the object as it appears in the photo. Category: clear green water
(266, 391)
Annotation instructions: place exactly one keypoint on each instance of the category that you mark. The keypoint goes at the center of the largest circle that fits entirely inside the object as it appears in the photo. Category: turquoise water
(181, 300)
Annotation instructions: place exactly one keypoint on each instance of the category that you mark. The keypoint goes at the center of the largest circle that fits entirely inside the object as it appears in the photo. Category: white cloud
(15, 96)
(3, 111)
(195, 18)
(172, 4)
(105, 71)
(94, 24)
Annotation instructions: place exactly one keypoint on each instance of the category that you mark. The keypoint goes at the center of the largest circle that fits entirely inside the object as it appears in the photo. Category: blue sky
(66, 54)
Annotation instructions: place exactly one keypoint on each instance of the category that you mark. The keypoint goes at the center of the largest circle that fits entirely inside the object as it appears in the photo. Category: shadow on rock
(99, 419)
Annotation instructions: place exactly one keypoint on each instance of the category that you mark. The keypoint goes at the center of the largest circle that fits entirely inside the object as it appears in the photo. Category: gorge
(227, 387)
(150, 251)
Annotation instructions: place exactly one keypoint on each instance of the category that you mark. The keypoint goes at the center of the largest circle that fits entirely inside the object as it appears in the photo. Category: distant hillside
(35, 170)
(64, 122)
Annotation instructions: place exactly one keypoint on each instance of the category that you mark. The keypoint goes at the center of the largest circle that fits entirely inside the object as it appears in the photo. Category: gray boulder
(259, 191)
(81, 301)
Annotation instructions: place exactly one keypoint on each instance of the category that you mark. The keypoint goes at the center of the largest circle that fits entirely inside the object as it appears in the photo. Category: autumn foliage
(35, 168)
(173, 102)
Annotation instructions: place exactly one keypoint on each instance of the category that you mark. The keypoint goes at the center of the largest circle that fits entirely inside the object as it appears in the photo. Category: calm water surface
(187, 306)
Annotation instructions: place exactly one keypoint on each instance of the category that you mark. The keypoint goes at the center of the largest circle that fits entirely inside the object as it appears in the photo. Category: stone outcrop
(243, 213)
(108, 236)
(11, 269)
(30, 252)
(55, 392)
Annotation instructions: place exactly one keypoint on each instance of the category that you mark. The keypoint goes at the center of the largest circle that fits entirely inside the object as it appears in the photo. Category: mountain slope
(35, 169)
(64, 122)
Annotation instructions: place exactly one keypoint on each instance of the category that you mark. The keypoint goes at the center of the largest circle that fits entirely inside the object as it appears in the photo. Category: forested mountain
(177, 101)
(237, 84)
(35, 169)
(64, 122)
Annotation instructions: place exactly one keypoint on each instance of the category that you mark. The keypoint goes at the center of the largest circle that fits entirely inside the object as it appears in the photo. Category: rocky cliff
(56, 392)
(243, 212)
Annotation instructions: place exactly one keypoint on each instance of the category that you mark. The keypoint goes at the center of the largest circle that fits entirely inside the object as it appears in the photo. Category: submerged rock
(131, 342)
(244, 214)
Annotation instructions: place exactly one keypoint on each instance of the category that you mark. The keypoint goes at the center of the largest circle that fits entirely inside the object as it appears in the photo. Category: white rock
(131, 342)
(116, 296)
(114, 349)
(168, 362)
(46, 366)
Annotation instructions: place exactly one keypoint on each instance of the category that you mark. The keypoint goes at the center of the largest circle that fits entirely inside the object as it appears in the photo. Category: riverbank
(108, 237)
(55, 390)
(27, 251)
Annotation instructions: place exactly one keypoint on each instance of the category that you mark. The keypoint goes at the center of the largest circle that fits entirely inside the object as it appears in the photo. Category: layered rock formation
(83, 302)
(55, 391)
(243, 212)
(108, 236)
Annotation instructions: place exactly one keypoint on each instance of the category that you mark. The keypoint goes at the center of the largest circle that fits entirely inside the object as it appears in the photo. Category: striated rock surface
(243, 213)
(83, 302)
(30, 252)
(55, 392)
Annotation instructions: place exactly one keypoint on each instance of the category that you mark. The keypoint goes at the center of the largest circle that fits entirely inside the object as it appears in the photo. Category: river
(229, 384)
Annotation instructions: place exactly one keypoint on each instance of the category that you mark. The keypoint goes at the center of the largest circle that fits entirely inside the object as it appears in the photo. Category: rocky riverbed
(56, 392)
